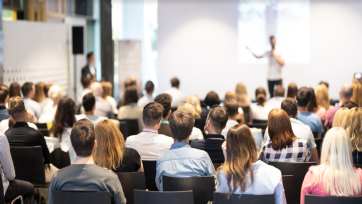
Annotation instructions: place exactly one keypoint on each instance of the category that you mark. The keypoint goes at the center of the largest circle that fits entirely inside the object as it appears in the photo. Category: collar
(146, 130)
(179, 145)
(2, 107)
(25, 98)
(21, 124)
(210, 136)
(165, 122)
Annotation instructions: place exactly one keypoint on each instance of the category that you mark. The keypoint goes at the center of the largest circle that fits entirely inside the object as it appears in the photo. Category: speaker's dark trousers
(272, 84)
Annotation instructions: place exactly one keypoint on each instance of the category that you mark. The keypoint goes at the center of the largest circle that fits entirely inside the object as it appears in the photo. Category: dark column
(106, 40)
(1, 46)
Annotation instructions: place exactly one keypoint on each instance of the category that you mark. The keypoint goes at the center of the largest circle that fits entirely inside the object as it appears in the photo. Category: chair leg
(18, 198)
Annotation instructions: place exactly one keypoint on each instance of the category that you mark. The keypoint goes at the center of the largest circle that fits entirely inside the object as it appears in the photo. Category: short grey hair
(346, 91)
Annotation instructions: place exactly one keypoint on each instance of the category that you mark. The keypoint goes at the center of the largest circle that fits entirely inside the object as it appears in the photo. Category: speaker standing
(89, 70)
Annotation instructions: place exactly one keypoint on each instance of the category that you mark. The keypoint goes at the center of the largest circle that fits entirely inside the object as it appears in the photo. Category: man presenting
(89, 70)
(276, 62)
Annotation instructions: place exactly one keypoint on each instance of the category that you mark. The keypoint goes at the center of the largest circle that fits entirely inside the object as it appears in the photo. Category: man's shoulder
(199, 144)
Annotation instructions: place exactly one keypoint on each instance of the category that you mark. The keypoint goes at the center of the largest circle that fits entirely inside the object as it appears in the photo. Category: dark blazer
(165, 130)
(212, 145)
(86, 72)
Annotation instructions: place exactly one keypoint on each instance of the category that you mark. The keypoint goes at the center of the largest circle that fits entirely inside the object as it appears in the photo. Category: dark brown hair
(64, 117)
(107, 89)
(26, 88)
(83, 137)
(292, 90)
(16, 107)
(260, 95)
(181, 124)
(152, 114)
(4, 92)
(313, 106)
(14, 89)
(280, 129)
(279, 91)
(232, 107)
(212, 99)
(289, 105)
(165, 100)
(46, 88)
(175, 82)
(130, 95)
(218, 116)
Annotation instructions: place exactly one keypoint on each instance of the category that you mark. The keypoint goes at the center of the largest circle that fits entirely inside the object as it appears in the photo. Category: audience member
(55, 94)
(212, 99)
(301, 131)
(349, 105)
(232, 96)
(311, 119)
(11, 186)
(14, 89)
(39, 95)
(215, 123)
(165, 100)
(345, 94)
(202, 112)
(103, 108)
(352, 123)
(146, 99)
(260, 110)
(322, 98)
(130, 110)
(177, 96)
(196, 132)
(244, 103)
(86, 83)
(131, 82)
(182, 160)
(242, 173)
(340, 116)
(336, 175)
(283, 145)
(292, 90)
(357, 94)
(107, 95)
(89, 104)
(47, 101)
(30, 105)
(84, 175)
(313, 106)
(149, 144)
(232, 109)
(279, 96)
(331, 101)
(111, 151)
(4, 98)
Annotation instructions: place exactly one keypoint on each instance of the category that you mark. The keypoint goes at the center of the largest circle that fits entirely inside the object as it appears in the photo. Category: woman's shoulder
(299, 141)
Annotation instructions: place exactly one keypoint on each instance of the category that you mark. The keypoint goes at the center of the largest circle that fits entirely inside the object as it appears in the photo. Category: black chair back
(131, 181)
(77, 197)
(173, 110)
(41, 125)
(288, 184)
(358, 165)
(260, 121)
(43, 131)
(313, 199)
(222, 198)
(202, 186)
(2, 197)
(315, 134)
(60, 159)
(123, 127)
(217, 165)
(246, 110)
(150, 173)
(132, 127)
(318, 142)
(298, 170)
(152, 197)
(28, 164)
(262, 126)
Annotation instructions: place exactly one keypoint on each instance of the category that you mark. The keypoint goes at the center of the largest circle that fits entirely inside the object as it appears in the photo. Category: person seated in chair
(278, 97)
(4, 98)
(89, 104)
(165, 100)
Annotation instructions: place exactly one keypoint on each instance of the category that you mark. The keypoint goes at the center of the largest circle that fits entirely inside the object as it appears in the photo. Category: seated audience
(4, 125)
(47, 101)
(357, 94)
(86, 83)
(340, 116)
(311, 119)
(301, 131)
(212, 99)
(279, 96)
(14, 90)
(260, 110)
(352, 123)
(89, 104)
(242, 173)
(244, 103)
(283, 145)
(103, 108)
(4, 98)
(232, 109)
(111, 151)
(149, 144)
(12, 187)
(130, 110)
(345, 94)
(292, 90)
(232, 96)
(107, 95)
(313, 106)
(322, 97)
(177, 96)
(39, 95)
(336, 175)
(200, 120)
(165, 100)
(55, 94)
(28, 92)
(146, 99)
(196, 132)
(215, 123)
(84, 175)
(182, 160)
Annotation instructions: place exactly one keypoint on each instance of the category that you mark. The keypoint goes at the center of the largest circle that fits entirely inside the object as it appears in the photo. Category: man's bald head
(346, 91)
(97, 89)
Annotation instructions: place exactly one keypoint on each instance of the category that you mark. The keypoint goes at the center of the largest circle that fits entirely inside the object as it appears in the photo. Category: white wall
(197, 42)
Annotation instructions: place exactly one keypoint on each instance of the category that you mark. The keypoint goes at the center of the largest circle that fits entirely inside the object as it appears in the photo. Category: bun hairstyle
(260, 95)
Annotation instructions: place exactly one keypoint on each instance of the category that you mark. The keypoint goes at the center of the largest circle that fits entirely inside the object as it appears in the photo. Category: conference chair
(246, 114)
(358, 165)
(43, 128)
(150, 173)
(132, 127)
(131, 181)
(319, 142)
(298, 170)
(173, 109)
(315, 134)
(288, 184)
(2, 197)
(217, 165)
(152, 197)
(202, 187)
(262, 126)
(314, 199)
(259, 121)
(60, 159)
(123, 127)
(222, 198)
(77, 197)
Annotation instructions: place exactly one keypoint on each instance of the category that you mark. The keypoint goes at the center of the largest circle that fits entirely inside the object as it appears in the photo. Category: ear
(169, 113)
(95, 144)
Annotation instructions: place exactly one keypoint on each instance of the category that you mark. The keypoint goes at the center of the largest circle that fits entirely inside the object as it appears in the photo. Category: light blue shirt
(183, 161)
(312, 120)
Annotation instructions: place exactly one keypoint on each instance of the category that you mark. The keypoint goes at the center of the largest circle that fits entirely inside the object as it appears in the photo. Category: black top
(86, 72)
(165, 130)
(4, 114)
(131, 161)
(23, 135)
(212, 145)
(200, 123)
(357, 157)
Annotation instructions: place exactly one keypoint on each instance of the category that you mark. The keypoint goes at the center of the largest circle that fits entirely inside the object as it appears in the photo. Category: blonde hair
(190, 108)
(55, 93)
(229, 96)
(322, 96)
(336, 170)
(339, 117)
(39, 95)
(107, 89)
(352, 123)
(241, 94)
(111, 145)
(195, 101)
(357, 94)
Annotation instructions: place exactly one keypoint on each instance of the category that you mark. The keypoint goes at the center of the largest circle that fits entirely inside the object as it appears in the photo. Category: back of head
(149, 87)
(46, 88)
(130, 95)
(83, 138)
(292, 90)
(165, 100)
(229, 96)
(313, 106)
(346, 91)
(336, 170)
(97, 89)
(110, 145)
(357, 94)
(289, 105)
(232, 107)
(130, 82)
(64, 116)
(88, 102)
(280, 129)
(175, 82)
(186, 106)
(219, 117)
(181, 124)
(279, 91)
(339, 117)
(4, 92)
(14, 89)
(352, 123)
(152, 114)
(89, 55)
(212, 99)
(195, 101)
(86, 81)
(303, 96)
(55, 93)
(107, 88)
(241, 94)
(349, 105)
(324, 83)
(260, 95)
(27, 88)
(39, 95)
(16, 108)
(322, 96)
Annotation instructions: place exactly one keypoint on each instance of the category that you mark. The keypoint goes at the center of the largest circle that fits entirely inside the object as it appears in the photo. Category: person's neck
(212, 131)
(89, 112)
(21, 120)
(90, 64)
(149, 94)
(84, 160)
(261, 104)
(185, 140)
(342, 101)
(233, 117)
(152, 128)
(175, 87)
(302, 109)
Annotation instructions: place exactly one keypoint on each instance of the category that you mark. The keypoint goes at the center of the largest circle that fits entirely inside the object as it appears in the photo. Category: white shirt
(113, 103)
(45, 103)
(196, 134)
(267, 180)
(32, 106)
(261, 112)
(65, 145)
(229, 124)
(82, 94)
(257, 133)
(131, 111)
(93, 118)
(274, 70)
(275, 102)
(48, 114)
(146, 99)
(177, 97)
(4, 125)
(149, 144)
(92, 70)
